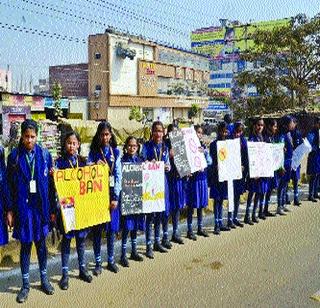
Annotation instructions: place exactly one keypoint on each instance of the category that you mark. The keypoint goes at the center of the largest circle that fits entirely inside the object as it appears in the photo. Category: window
(97, 55)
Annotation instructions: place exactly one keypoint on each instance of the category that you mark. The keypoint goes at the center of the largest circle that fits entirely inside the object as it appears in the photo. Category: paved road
(272, 264)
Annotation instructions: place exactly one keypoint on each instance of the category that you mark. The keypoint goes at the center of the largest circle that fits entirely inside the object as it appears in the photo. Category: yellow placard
(83, 195)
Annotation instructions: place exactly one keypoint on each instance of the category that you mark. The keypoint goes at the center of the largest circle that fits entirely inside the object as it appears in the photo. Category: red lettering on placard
(82, 190)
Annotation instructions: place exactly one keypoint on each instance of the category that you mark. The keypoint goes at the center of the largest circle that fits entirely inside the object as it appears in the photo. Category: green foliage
(194, 111)
(136, 114)
(287, 65)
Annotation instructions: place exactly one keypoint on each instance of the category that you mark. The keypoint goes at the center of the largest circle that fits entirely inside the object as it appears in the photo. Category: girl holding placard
(239, 185)
(4, 199)
(131, 223)
(286, 138)
(33, 200)
(103, 150)
(197, 192)
(257, 187)
(70, 159)
(271, 137)
(156, 150)
(218, 190)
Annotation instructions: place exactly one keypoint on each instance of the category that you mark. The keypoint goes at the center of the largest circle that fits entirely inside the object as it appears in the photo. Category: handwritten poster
(131, 193)
(277, 155)
(83, 195)
(229, 160)
(196, 158)
(180, 153)
(299, 153)
(260, 159)
(153, 187)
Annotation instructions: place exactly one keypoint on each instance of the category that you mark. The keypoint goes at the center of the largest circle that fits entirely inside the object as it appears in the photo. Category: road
(272, 264)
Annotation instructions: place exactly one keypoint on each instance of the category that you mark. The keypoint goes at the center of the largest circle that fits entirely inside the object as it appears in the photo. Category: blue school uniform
(286, 138)
(274, 181)
(313, 164)
(259, 185)
(240, 185)
(132, 222)
(112, 157)
(218, 190)
(66, 162)
(31, 210)
(197, 185)
(4, 200)
(296, 140)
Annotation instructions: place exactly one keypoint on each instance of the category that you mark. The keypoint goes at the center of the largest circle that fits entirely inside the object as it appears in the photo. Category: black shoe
(191, 236)
(46, 287)
(317, 196)
(231, 225)
(248, 221)
(22, 295)
(262, 216)
(216, 231)
(64, 282)
(85, 276)
(97, 270)
(136, 257)
(281, 213)
(223, 228)
(159, 247)
(124, 262)
(166, 244)
(238, 223)
(288, 202)
(177, 239)
(312, 199)
(286, 210)
(269, 214)
(149, 252)
(112, 267)
(255, 220)
(296, 203)
(203, 233)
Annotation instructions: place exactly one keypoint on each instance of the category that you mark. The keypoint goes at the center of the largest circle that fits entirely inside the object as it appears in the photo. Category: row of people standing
(30, 190)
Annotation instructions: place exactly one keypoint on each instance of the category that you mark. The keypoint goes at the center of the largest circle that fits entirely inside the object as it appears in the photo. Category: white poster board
(260, 159)
(298, 154)
(153, 187)
(196, 158)
(277, 155)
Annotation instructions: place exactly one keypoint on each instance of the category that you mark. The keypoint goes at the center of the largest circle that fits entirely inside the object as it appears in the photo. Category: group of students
(29, 204)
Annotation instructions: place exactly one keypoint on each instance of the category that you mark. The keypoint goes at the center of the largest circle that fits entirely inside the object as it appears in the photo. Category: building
(224, 45)
(72, 77)
(127, 71)
(5, 80)
(42, 88)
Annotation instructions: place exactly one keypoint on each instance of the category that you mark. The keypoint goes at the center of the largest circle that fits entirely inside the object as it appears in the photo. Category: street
(272, 264)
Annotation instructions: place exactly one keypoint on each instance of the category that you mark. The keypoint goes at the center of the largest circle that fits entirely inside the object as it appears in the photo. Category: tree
(56, 95)
(193, 111)
(286, 65)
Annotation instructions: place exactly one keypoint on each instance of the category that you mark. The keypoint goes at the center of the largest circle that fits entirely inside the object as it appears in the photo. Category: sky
(35, 34)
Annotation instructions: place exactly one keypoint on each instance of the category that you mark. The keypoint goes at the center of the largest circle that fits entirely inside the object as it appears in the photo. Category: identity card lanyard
(111, 177)
(72, 166)
(32, 183)
(158, 158)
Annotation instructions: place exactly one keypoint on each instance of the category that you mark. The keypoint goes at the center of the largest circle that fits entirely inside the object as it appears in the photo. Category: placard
(83, 195)
(298, 154)
(277, 155)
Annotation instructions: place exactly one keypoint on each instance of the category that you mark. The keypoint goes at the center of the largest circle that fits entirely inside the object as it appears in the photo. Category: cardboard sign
(299, 153)
(83, 195)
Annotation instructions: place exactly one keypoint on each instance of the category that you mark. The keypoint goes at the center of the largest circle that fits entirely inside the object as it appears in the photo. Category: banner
(197, 160)
(180, 153)
(142, 188)
(260, 159)
(83, 196)
(277, 155)
(299, 153)
(229, 160)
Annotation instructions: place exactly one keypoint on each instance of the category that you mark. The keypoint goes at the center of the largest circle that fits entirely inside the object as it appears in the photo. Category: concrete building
(72, 77)
(5, 80)
(42, 88)
(126, 71)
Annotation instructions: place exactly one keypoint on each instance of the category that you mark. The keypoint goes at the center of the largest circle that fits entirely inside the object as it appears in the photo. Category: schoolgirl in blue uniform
(33, 200)
(218, 190)
(70, 159)
(271, 137)
(197, 191)
(239, 185)
(295, 174)
(257, 188)
(4, 199)
(156, 149)
(285, 136)
(176, 194)
(131, 223)
(103, 150)
(313, 165)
